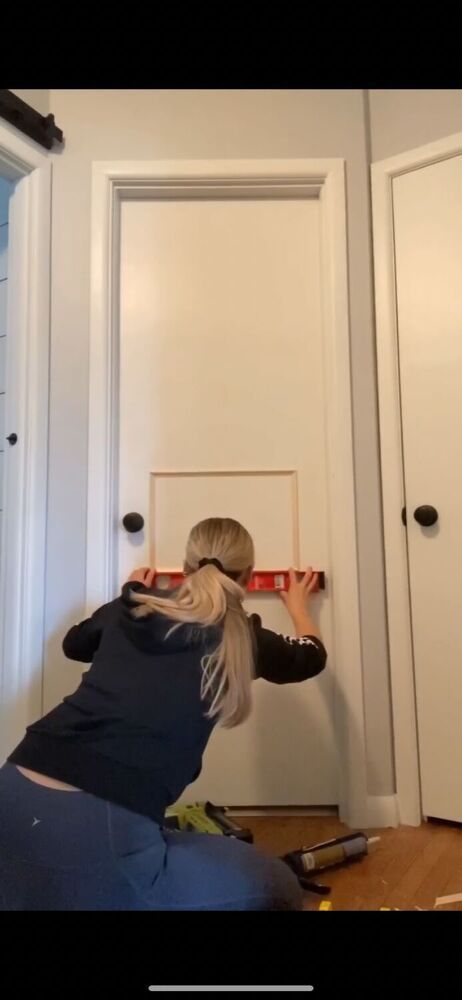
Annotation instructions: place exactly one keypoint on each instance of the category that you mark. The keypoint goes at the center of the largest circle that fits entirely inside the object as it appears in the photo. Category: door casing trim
(301, 178)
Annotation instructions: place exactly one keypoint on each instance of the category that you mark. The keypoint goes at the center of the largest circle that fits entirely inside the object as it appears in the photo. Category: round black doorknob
(426, 515)
(12, 438)
(133, 522)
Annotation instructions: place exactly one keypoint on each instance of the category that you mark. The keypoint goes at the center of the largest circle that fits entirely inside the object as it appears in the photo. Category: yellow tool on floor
(203, 817)
(192, 817)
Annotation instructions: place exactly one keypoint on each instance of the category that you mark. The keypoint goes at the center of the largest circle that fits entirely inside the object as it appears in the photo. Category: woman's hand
(297, 596)
(145, 575)
(296, 600)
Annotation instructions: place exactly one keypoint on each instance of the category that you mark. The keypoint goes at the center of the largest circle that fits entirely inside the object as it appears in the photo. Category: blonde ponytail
(212, 595)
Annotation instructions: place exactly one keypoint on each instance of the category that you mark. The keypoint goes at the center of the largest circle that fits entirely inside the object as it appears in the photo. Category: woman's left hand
(145, 575)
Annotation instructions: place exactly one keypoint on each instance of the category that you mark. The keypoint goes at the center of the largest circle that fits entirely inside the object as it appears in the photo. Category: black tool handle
(232, 829)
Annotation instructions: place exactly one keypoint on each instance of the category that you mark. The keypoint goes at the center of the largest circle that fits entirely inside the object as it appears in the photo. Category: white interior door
(428, 242)
(5, 193)
(222, 413)
(6, 189)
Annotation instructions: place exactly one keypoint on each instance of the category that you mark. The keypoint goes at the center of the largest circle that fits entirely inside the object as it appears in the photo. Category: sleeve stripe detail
(302, 641)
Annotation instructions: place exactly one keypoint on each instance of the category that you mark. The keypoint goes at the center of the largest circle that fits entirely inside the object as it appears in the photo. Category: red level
(278, 579)
(263, 580)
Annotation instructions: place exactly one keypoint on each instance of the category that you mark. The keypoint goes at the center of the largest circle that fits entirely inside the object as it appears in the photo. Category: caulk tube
(334, 852)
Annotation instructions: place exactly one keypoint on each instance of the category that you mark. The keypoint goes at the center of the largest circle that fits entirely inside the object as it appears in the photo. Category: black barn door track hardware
(26, 119)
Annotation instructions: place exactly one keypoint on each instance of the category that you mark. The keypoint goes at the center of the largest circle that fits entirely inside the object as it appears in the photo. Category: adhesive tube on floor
(333, 853)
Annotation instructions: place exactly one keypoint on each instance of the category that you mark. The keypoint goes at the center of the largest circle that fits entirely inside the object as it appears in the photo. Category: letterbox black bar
(28, 120)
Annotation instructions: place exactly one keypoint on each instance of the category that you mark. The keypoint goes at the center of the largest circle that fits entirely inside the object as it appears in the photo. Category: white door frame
(22, 594)
(234, 178)
(392, 462)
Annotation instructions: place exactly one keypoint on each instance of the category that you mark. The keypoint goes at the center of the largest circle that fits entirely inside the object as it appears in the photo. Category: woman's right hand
(296, 600)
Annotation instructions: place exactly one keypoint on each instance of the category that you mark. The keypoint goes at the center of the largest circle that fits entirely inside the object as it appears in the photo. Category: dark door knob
(133, 522)
(426, 515)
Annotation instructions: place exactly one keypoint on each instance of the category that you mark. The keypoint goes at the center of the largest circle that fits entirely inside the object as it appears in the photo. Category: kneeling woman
(82, 798)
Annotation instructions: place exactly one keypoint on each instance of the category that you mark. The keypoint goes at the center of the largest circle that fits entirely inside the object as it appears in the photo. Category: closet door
(428, 246)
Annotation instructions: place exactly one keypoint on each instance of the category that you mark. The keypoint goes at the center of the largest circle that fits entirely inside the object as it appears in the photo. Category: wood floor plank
(408, 869)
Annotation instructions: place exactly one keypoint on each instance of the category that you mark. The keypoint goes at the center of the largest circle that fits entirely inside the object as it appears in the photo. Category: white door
(5, 192)
(25, 219)
(428, 247)
(6, 189)
(222, 413)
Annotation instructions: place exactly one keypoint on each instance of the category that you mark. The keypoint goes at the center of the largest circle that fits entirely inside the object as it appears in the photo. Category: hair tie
(211, 562)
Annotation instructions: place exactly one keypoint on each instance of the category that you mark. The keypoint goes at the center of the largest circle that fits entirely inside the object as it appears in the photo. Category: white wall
(404, 119)
(191, 124)
(38, 99)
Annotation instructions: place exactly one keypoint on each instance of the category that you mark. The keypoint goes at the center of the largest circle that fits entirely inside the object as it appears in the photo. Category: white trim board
(324, 179)
(282, 811)
(396, 556)
(22, 594)
(382, 811)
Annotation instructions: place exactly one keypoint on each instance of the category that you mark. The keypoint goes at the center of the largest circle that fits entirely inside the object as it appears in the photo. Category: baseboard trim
(283, 811)
(381, 811)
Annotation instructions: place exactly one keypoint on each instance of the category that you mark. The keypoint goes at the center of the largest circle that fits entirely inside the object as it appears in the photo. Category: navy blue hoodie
(135, 730)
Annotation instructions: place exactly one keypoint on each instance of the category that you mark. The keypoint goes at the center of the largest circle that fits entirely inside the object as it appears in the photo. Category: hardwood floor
(408, 869)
